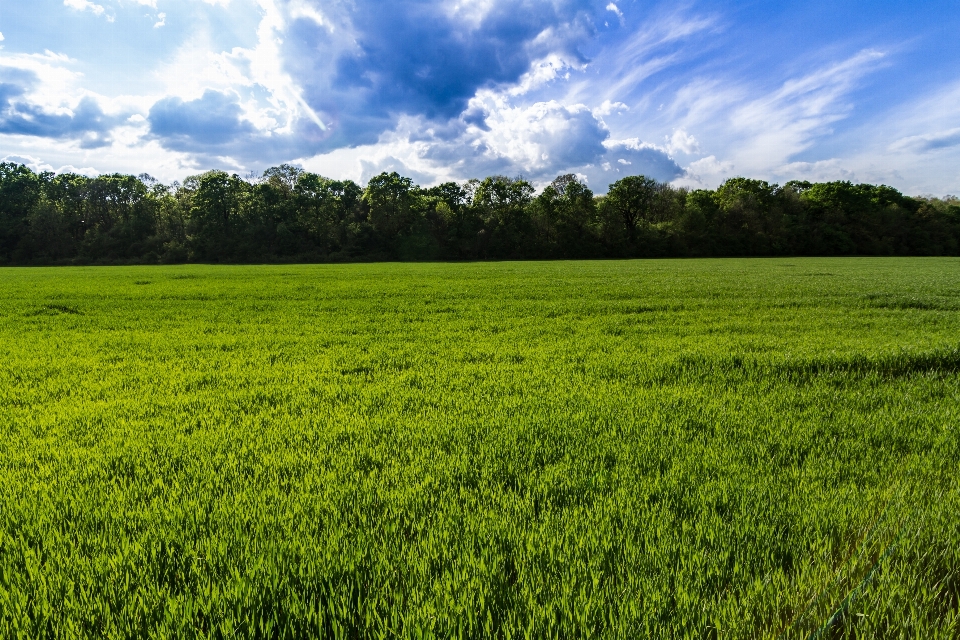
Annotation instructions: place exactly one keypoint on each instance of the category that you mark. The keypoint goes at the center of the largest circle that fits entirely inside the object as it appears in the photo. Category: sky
(692, 92)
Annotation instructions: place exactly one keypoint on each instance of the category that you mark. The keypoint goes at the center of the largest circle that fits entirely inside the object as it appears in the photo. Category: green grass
(666, 449)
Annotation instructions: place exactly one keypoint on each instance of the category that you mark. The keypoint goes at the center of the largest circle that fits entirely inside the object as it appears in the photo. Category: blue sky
(692, 93)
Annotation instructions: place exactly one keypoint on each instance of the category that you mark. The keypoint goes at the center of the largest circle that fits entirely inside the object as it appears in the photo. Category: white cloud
(607, 107)
(470, 12)
(820, 171)
(38, 165)
(928, 142)
(540, 137)
(56, 84)
(682, 142)
(84, 5)
(914, 147)
(562, 114)
(760, 132)
(542, 72)
(615, 9)
(270, 98)
(706, 172)
(267, 69)
(300, 9)
(779, 125)
(640, 56)
(1, 37)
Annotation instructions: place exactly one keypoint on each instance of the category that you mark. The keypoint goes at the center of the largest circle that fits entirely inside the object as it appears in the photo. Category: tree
(215, 206)
(566, 212)
(288, 213)
(502, 204)
(389, 199)
(751, 220)
(20, 190)
(631, 199)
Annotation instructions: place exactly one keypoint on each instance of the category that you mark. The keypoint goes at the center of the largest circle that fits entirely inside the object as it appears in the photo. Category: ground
(677, 448)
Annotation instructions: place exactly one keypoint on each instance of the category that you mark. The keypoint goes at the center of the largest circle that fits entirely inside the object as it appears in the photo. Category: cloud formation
(454, 89)
(214, 120)
(84, 121)
(85, 5)
(366, 63)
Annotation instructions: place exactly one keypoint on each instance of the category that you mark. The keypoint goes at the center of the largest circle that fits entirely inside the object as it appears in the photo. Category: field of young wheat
(664, 449)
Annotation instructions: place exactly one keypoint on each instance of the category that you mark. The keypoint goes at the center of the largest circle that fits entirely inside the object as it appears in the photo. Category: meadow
(741, 448)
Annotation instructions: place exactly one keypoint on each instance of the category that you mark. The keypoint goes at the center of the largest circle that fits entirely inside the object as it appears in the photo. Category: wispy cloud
(757, 132)
(929, 141)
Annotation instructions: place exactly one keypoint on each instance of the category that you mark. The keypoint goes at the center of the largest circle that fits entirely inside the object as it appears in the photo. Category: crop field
(664, 449)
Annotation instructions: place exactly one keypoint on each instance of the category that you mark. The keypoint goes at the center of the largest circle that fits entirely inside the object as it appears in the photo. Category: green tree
(390, 201)
(565, 213)
(501, 203)
(631, 200)
(216, 202)
(20, 190)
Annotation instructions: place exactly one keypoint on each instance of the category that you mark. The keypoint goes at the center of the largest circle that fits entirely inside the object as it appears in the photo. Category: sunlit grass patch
(716, 448)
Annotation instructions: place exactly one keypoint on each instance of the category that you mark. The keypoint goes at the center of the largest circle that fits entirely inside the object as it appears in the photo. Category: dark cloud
(213, 126)
(18, 116)
(415, 57)
(210, 121)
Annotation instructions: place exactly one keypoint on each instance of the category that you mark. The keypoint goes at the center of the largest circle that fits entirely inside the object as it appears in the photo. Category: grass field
(666, 449)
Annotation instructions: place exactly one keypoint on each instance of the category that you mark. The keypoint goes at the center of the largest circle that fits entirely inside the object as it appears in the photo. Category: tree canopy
(289, 214)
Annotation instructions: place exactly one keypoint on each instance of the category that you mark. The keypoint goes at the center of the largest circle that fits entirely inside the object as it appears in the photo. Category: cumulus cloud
(20, 115)
(706, 173)
(471, 98)
(538, 141)
(212, 120)
(628, 158)
(214, 129)
(269, 97)
(682, 142)
(358, 76)
(361, 68)
(542, 138)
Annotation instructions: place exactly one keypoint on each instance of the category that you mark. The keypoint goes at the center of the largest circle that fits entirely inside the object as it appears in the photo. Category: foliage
(290, 215)
(662, 449)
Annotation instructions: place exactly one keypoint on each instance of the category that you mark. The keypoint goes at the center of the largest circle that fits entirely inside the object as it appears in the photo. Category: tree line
(291, 215)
